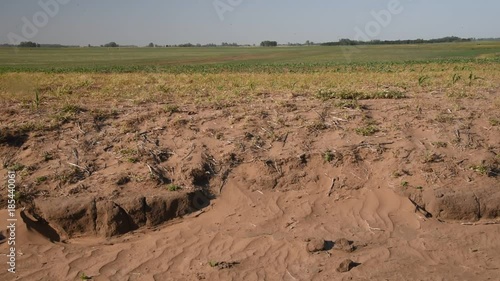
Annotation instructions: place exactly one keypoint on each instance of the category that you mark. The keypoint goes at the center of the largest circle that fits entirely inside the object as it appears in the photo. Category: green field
(236, 58)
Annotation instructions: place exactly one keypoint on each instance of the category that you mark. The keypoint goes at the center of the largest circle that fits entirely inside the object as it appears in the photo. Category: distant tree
(269, 44)
(111, 45)
(29, 44)
(151, 45)
(225, 44)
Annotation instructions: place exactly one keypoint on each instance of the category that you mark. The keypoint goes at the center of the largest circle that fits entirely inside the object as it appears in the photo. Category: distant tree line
(189, 45)
(225, 44)
(349, 42)
(111, 45)
(269, 44)
(29, 44)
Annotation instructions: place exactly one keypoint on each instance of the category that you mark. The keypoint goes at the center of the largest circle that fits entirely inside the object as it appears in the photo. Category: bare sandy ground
(279, 174)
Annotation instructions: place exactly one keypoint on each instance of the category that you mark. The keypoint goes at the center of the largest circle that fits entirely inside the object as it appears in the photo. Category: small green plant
(405, 184)
(419, 188)
(72, 109)
(328, 156)
(83, 276)
(130, 155)
(213, 263)
(16, 167)
(36, 101)
(422, 80)
(456, 78)
(368, 130)
(132, 160)
(494, 122)
(171, 108)
(41, 179)
(173, 187)
(473, 78)
(19, 196)
(47, 156)
(481, 169)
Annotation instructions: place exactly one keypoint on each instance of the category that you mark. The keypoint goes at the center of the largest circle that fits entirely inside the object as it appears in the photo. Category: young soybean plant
(36, 101)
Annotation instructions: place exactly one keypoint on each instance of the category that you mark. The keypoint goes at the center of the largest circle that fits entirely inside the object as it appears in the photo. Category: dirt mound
(464, 205)
(75, 217)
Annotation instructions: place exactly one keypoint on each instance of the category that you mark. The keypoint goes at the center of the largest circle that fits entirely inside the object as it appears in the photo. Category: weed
(170, 108)
(422, 80)
(368, 130)
(494, 122)
(130, 155)
(473, 78)
(41, 179)
(481, 169)
(71, 176)
(173, 187)
(328, 156)
(456, 78)
(36, 101)
(405, 184)
(72, 109)
(16, 167)
(18, 196)
(132, 159)
(83, 276)
(47, 156)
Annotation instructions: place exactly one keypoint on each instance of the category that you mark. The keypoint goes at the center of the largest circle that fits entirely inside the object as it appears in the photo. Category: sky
(138, 22)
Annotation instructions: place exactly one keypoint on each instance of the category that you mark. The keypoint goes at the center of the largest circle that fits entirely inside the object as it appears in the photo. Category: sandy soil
(266, 190)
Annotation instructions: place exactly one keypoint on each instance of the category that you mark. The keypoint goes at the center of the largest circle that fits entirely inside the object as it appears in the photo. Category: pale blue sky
(139, 22)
